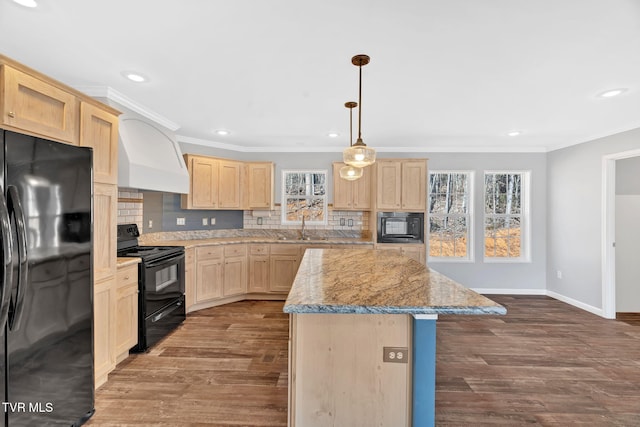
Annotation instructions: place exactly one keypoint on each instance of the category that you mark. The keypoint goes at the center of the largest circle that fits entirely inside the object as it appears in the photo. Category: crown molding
(121, 99)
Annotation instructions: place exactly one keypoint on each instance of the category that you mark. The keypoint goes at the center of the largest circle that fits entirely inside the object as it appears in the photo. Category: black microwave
(400, 227)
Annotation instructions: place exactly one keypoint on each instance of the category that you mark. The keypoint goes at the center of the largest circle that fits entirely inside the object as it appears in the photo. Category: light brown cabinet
(258, 268)
(99, 130)
(235, 270)
(351, 195)
(189, 278)
(229, 184)
(209, 267)
(401, 185)
(32, 104)
(104, 313)
(203, 183)
(105, 203)
(283, 266)
(126, 333)
(260, 185)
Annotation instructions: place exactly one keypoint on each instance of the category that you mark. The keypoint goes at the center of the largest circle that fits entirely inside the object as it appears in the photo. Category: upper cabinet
(401, 184)
(260, 185)
(34, 105)
(351, 195)
(228, 184)
(99, 130)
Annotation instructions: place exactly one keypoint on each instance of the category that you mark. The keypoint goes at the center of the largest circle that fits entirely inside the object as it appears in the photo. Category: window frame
(470, 257)
(525, 222)
(283, 204)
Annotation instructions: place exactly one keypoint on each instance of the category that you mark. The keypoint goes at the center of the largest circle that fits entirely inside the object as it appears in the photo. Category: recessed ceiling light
(135, 77)
(333, 134)
(514, 133)
(613, 92)
(222, 132)
(26, 3)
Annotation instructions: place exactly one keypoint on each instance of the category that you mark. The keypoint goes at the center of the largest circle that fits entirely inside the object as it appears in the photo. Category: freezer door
(48, 186)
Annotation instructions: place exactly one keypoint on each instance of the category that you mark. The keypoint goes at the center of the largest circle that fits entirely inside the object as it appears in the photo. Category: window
(506, 216)
(450, 215)
(304, 193)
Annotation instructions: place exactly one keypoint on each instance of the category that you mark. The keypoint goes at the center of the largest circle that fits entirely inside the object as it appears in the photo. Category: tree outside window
(304, 193)
(450, 215)
(505, 215)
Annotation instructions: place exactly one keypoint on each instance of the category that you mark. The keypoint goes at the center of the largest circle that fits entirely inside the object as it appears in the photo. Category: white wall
(502, 277)
(574, 194)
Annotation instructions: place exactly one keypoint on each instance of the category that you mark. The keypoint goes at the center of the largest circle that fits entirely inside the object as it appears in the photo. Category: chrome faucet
(302, 234)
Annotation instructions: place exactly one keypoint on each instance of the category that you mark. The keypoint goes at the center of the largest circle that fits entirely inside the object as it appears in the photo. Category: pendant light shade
(350, 173)
(359, 155)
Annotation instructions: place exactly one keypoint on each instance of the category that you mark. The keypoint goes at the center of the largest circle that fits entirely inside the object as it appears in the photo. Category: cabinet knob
(126, 277)
(11, 114)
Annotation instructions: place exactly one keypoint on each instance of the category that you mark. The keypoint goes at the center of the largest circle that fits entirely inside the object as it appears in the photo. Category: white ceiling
(445, 75)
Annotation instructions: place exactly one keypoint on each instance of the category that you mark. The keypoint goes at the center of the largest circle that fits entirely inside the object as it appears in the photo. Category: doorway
(609, 230)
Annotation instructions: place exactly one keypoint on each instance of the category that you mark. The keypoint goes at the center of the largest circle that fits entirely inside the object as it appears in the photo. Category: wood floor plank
(543, 364)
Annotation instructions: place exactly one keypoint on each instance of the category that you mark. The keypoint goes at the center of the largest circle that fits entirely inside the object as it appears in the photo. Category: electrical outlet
(205, 221)
(342, 222)
(259, 220)
(559, 274)
(395, 354)
(179, 221)
(213, 221)
(350, 222)
(150, 223)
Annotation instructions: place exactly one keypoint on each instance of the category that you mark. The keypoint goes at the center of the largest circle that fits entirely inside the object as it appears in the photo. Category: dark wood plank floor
(543, 364)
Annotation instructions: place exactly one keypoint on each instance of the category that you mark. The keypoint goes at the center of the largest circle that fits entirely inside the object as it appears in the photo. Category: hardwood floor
(545, 363)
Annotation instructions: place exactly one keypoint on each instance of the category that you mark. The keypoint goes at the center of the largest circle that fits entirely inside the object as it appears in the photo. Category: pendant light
(350, 173)
(359, 155)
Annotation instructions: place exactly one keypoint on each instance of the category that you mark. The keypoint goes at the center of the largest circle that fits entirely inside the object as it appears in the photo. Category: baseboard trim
(586, 307)
(501, 291)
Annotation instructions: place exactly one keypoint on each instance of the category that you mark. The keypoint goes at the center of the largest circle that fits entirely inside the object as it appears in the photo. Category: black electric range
(161, 281)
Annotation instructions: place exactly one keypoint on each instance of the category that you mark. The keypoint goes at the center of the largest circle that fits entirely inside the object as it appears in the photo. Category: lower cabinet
(104, 313)
(126, 335)
(189, 278)
(258, 268)
(283, 266)
(235, 270)
(209, 265)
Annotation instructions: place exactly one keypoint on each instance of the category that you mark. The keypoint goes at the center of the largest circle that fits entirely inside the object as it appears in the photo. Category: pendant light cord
(360, 103)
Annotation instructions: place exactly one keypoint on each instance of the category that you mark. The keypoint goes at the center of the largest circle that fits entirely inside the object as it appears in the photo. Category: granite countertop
(122, 261)
(191, 243)
(365, 281)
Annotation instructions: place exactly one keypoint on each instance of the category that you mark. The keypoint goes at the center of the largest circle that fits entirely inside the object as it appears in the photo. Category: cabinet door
(342, 189)
(389, 179)
(209, 279)
(204, 183)
(189, 278)
(283, 269)
(99, 130)
(361, 191)
(105, 203)
(229, 185)
(414, 185)
(235, 276)
(258, 273)
(36, 106)
(126, 311)
(103, 332)
(260, 186)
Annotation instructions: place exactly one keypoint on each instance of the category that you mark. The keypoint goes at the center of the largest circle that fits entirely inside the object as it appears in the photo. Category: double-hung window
(304, 194)
(506, 216)
(450, 215)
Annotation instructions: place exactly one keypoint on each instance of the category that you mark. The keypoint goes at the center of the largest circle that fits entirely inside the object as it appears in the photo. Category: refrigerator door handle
(23, 274)
(7, 262)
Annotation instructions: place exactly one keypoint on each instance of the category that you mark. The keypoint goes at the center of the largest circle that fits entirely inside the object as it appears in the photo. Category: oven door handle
(166, 311)
(164, 261)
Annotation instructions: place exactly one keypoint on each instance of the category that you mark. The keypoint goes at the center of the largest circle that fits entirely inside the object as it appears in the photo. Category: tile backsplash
(355, 221)
(130, 206)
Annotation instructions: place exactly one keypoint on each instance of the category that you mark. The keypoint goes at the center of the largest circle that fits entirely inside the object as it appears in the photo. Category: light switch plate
(179, 221)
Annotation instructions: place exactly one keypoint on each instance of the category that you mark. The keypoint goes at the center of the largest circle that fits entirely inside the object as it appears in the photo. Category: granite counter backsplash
(156, 238)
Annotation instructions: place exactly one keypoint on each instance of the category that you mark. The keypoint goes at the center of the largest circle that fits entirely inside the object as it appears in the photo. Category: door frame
(608, 230)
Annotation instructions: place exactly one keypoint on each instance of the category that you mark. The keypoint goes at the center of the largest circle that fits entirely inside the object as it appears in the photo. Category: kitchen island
(362, 337)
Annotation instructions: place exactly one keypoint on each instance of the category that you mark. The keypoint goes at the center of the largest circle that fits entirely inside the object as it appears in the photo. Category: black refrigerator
(46, 309)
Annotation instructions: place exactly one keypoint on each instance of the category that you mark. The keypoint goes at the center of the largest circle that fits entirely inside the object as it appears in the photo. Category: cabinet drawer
(259, 249)
(209, 252)
(285, 249)
(127, 275)
(235, 250)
